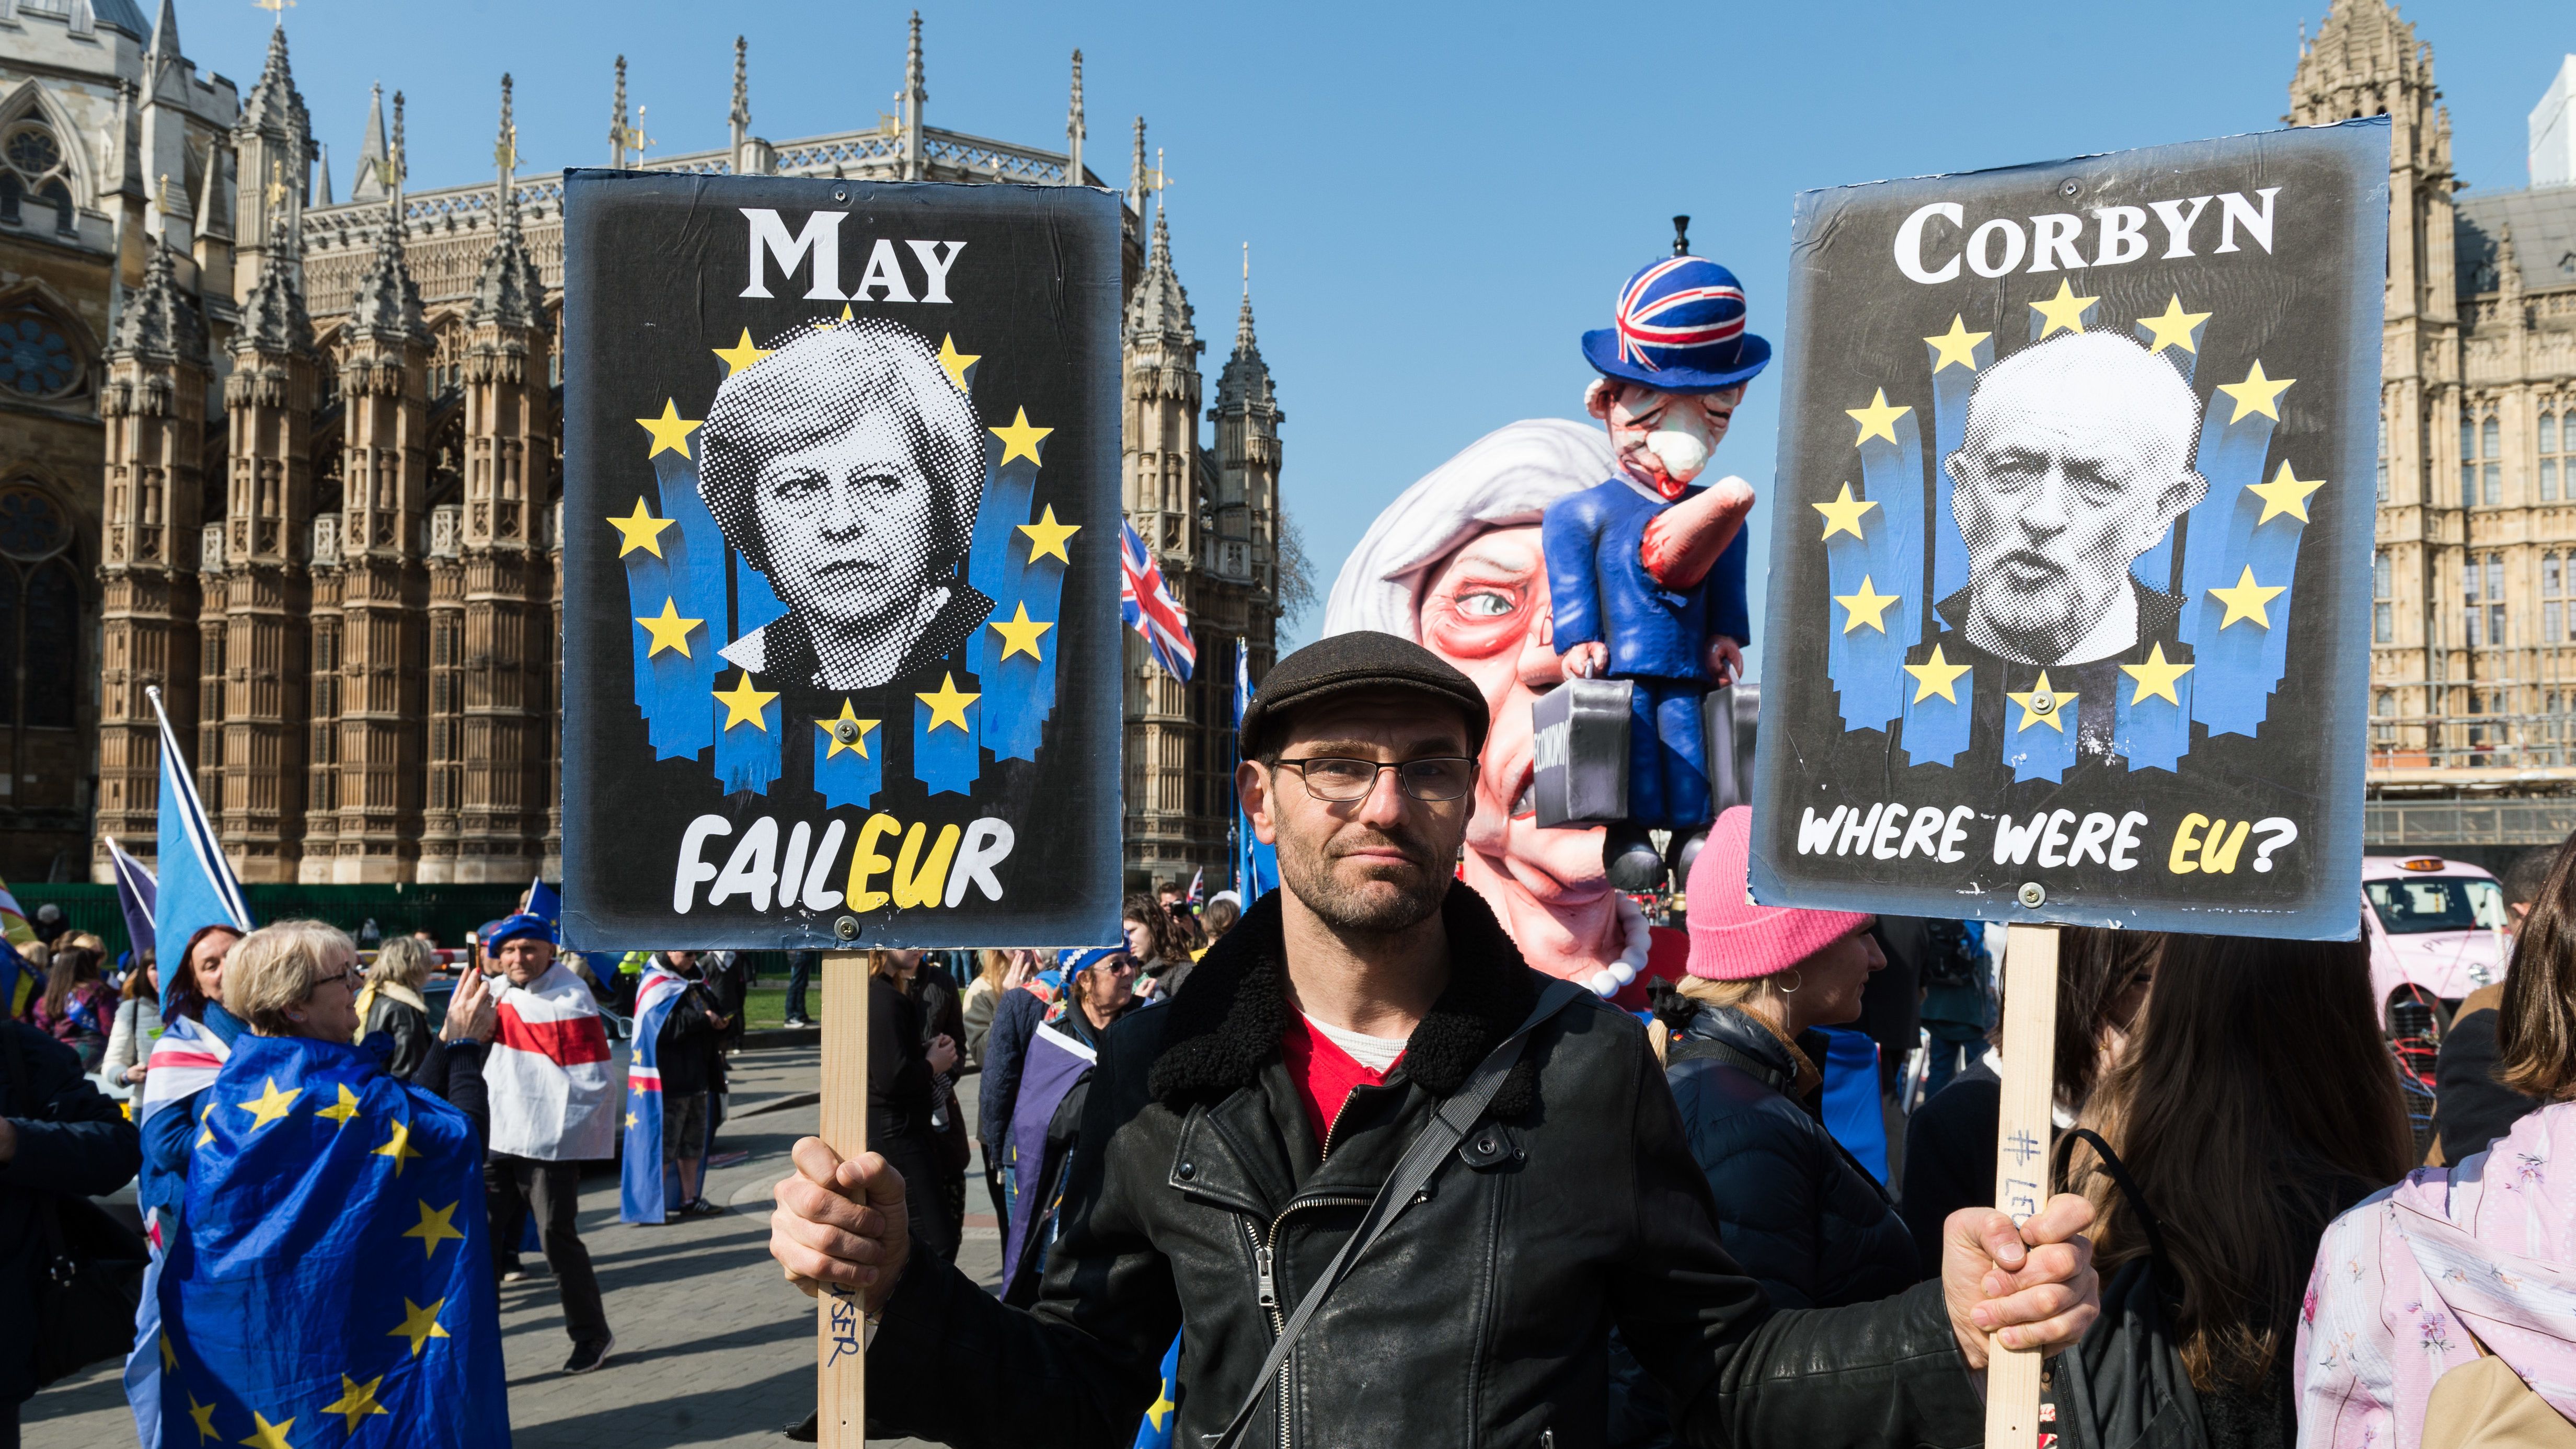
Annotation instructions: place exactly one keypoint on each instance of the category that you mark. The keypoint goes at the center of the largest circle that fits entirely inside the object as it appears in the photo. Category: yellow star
(741, 355)
(1866, 607)
(169, 1356)
(670, 431)
(640, 529)
(2155, 677)
(1161, 1406)
(1843, 514)
(1046, 536)
(346, 1108)
(270, 1105)
(204, 1414)
(631, 1120)
(265, 1435)
(1936, 675)
(419, 1324)
(745, 704)
(2065, 311)
(2256, 394)
(2286, 493)
(357, 1400)
(2247, 600)
(826, 322)
(2174, 328)
(1019, 440)
(1878, 420)
(1958, 345)
(398, 1147)
(669, 630)
(2054, 716)
(206, 1136)
(956, 362)
(831, 729)
(434, 1227)
(948, 703)
(1020, 635)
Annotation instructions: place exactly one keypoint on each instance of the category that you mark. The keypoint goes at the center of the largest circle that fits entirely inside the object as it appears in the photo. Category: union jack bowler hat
(1679, 328)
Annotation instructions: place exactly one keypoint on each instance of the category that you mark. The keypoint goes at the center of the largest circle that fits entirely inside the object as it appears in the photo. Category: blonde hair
(1727, 993)
(275, 967)
(403, 961)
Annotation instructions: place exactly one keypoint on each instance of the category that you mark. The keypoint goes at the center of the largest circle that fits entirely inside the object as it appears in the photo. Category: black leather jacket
(1197, 1197)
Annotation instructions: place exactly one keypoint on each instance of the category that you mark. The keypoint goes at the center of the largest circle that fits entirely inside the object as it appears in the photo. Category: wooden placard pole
(2022, 1130)
(840, 1341)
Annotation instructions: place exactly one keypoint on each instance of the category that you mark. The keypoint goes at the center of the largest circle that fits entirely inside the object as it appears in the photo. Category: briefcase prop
(1728, 715)
(1579, 746)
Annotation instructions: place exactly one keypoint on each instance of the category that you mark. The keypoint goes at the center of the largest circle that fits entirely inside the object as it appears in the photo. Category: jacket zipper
(1266, 1281)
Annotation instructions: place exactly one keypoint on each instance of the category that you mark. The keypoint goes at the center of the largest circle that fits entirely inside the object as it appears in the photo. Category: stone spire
(157, 321)
(214, 208)
(915, 97)
(370, 184)
(510, 290)
(1136, 175)
(273, 318)
(617, 120)
(1161, 306)
(1245, 500)
(164, 48)
(322, 185)
(740, 115)
(1246, 379)
(1074, 131)
(273, 147)
(387, 304)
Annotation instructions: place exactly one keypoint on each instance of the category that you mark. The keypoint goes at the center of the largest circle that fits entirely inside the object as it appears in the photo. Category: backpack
(2124, 1386)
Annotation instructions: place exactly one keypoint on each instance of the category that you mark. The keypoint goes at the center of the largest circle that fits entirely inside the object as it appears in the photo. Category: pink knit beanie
(1732, 939)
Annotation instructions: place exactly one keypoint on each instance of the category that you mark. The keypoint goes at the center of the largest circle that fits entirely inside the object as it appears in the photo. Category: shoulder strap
(1687, 1048)
(1422, 1158)
(2129, 1189)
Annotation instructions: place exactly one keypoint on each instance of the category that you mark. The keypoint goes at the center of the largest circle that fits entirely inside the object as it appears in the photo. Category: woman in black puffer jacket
(1798, 1211)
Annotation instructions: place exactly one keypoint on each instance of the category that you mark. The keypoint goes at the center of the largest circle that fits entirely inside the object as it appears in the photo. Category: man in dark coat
(60, 1135)
(1214, 1180)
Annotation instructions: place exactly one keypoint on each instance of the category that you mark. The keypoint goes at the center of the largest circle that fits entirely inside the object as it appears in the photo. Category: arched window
(2552, 460)
(2383, 458)
(2553, 585)
(32, 166)
(37, 359)
(40, 613)
(2383, 588)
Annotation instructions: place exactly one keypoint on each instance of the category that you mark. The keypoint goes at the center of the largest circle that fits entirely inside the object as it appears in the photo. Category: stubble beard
(1369, 910)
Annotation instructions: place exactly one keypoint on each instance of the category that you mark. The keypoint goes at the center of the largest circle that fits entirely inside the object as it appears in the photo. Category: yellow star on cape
(1161, 1406)
(2286, 493)
(343, 1110)
(831, 729)
(670, 431)
(433, 1228)
(419, 1324)
(1866, 607)
(640, 529)
(1957, 345)
(956, 362)
(1878, 420)
(204, 1414)
(668, 629)
(2247, 600)
(2059, 706)
(1843, 514)
(2155, 677)
(265, 1435)
(357, 1400)
(2174, 328)
(206, 1136)
(1936, 675)
(631, 1120)
(1046, 536)
(1020, 635)
(2065, 311)
(169, 1356)
(742, 354)
(948, 703)
(745, 704)
(2256, 394)
(1019, 440)
(270, 1105)
(398, 1147)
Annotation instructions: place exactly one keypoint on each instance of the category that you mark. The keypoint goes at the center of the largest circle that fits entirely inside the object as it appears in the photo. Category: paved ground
(711, 1347)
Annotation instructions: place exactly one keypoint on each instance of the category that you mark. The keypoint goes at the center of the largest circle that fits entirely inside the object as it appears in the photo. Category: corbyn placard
(2072, 547)
(840, 547)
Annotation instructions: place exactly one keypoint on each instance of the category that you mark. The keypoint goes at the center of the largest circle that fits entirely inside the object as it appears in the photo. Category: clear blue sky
(1440, 198)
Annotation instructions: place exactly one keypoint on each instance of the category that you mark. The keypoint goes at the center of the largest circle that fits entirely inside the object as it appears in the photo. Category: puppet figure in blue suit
(1646, 570)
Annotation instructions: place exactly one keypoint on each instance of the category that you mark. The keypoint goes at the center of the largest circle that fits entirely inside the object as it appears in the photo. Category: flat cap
(1362, 662)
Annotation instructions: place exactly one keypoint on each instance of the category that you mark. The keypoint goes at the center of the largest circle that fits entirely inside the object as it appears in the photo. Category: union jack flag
(1146, 603)
(1681, 303)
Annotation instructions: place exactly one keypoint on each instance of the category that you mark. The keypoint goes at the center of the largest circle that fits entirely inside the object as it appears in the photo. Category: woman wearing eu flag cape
(331, 1259)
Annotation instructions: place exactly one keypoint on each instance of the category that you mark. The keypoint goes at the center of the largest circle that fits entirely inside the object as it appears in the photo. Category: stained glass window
(31, 527)
(36, 359)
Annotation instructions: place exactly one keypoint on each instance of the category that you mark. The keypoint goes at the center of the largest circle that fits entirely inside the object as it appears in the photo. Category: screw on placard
(847, 732)
(842, 193)
(2069, 187)
(2043, 703)
(847, 928)
(2033, 894)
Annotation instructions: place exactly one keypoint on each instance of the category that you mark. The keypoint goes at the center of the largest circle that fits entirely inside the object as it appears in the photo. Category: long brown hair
(72, 966)
(2256, 1100)
(2536, 1024)
(186, 997)
(2094, 966)
(1168, 944)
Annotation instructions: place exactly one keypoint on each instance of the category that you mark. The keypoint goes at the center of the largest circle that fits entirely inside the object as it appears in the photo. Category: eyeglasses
(1340, 781)
(342, 974)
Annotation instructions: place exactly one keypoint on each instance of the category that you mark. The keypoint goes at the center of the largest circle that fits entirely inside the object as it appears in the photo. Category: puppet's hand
(1587, 661)
(1725, 661)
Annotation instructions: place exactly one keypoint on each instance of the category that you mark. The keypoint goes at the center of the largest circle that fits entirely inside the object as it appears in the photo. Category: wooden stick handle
(840, 1336)
(2022, 1131)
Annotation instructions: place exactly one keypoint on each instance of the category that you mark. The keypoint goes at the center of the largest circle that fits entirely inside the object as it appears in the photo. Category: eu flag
(331, 1280)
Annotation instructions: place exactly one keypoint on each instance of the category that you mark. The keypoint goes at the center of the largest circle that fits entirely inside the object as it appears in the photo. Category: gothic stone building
(326, 528)
(2473, 664)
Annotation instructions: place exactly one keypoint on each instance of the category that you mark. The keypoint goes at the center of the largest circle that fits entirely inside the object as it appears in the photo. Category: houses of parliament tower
(292, 459)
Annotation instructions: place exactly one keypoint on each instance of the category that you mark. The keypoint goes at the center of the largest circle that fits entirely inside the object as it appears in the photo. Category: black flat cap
(1362, 662)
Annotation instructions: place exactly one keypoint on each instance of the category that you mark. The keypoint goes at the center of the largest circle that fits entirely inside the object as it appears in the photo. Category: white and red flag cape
(547, 1071)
